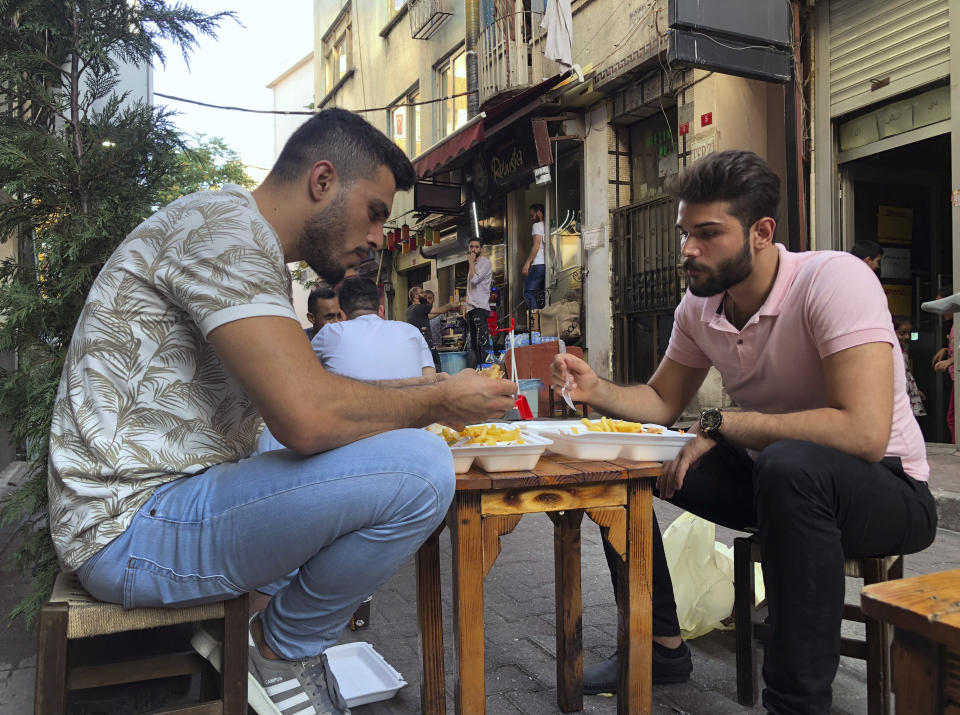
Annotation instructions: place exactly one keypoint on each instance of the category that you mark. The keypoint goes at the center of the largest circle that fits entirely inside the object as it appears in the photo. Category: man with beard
(824, 442)
(419, 314)
(323, 308)
(188, 343)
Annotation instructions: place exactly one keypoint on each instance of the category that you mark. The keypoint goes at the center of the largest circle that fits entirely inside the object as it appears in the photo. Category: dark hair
(866, 249)
(899, 320)
(429, 292)
(538, 207)
(477, 239)
(358, 293)
(321, 292)
(349, 142)
(740, 178)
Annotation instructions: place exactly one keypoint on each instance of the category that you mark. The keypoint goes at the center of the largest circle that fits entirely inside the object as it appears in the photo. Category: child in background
(903, 327)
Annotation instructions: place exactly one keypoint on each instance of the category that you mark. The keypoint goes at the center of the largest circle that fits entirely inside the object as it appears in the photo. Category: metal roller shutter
(907, 41)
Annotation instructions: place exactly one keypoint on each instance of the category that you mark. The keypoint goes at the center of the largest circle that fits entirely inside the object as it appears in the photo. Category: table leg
(430, 616)
(566, 557)
(466, 536)
(635, 623)
(916, 674)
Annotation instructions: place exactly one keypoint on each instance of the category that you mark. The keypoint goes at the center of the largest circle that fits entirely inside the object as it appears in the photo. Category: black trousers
(479, 335)
(813, 506)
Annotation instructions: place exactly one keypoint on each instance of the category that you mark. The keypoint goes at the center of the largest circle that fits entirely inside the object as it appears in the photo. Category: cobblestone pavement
(519, 618)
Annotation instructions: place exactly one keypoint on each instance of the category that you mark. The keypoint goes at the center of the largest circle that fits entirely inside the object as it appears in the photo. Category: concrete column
(596, 284)
(955, 162)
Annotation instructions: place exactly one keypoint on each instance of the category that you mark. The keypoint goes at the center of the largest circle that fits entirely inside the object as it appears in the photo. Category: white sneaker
(280, 687)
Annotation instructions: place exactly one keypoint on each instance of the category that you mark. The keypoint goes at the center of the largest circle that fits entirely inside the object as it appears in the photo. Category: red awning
(450, 147)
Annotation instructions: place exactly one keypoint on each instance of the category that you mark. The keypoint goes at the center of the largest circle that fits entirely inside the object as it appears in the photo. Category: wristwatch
(711, 420)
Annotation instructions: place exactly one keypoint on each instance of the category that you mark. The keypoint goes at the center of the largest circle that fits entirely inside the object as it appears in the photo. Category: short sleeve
(846, 306)
(223, 264)
(426, 357)
(683, 347)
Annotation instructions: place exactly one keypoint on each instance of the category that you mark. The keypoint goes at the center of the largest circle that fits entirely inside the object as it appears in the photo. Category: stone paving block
(16, 691)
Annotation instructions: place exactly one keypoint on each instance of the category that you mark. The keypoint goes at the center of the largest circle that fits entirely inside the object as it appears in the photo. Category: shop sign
(510, 162)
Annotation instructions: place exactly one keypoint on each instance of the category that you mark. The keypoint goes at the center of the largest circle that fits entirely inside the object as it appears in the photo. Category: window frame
(444, 84)
(337, 50)
(413, 121)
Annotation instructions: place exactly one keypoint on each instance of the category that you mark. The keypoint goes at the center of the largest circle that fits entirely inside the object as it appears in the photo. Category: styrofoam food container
(501, 457)
(613, 445)
(362, 673)
(541, 426)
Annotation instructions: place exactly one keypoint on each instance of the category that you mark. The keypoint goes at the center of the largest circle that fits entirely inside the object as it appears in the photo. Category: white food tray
(617, 445)
(362, 673)
(501, 457)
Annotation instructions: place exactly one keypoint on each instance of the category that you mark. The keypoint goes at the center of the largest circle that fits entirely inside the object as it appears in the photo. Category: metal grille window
(646, 285)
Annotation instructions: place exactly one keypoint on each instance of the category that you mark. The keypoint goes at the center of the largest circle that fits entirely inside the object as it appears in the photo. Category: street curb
(948, 509)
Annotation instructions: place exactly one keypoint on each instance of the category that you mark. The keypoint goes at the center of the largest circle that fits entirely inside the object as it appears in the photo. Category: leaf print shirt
(143, 398)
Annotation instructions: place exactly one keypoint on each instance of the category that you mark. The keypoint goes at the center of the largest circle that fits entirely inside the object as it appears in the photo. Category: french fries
(481, 435)
(605, 424)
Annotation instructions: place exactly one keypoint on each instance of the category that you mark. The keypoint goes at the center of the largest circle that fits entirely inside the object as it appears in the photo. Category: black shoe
(602, 677)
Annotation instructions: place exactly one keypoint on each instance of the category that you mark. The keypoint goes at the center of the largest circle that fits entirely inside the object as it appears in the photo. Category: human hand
(526, 269)
(471, 258)
(939, 355)
(671, 481)
(943, 365)
(470, 397)
(583, 381)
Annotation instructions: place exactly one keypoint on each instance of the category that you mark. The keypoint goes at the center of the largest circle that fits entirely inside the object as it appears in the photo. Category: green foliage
(204, 164)
(80, 166)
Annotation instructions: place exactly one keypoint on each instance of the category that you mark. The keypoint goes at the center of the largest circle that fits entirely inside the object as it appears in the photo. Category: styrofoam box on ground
(362, 673)
(501, 457)
(585, 444)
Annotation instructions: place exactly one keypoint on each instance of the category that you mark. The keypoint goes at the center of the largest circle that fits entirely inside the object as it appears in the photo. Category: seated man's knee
(429, 457)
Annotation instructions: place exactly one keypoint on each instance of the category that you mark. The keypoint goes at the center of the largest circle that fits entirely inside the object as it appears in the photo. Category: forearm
(341, 411)
(424, 379)
(830, 427)
(640, 403)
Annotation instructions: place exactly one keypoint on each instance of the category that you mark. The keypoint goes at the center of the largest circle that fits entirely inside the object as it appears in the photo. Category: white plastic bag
(702, 573)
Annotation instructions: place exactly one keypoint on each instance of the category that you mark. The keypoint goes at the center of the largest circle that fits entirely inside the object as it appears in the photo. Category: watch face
(710, 420)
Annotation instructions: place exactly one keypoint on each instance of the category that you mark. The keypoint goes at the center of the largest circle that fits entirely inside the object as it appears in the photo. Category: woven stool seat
(87, 617)
(65, 663)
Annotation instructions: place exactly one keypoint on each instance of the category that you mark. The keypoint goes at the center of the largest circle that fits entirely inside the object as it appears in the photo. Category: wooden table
(617, 496)
(925, 611)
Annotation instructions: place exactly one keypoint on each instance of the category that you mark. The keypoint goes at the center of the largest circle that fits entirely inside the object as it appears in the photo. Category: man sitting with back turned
(188, 342)
(367, 347)
(826, 458)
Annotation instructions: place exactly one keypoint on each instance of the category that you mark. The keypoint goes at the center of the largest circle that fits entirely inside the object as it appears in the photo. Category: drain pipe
(472, 18)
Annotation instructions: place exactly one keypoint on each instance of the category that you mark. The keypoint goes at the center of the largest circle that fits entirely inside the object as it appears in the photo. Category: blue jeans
(322, 532)
(533, 286)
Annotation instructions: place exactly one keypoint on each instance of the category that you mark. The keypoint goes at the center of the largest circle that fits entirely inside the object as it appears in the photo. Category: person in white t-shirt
(535, 267)
(367, 347)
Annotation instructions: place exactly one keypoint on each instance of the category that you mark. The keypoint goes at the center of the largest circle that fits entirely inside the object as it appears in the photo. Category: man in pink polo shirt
(824, 457)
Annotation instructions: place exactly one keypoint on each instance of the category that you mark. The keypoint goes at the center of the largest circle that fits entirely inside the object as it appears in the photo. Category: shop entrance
(899, 198)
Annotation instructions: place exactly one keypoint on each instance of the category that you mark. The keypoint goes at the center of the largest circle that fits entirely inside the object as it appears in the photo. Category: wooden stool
(875, 649)
(72, 614)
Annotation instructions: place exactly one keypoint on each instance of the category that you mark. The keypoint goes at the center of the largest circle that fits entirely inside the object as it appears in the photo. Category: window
(452, 76)
(336, 51)
(405, 123)
(395, 6)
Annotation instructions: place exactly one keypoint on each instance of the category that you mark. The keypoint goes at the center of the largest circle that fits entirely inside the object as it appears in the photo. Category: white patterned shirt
(143, 398)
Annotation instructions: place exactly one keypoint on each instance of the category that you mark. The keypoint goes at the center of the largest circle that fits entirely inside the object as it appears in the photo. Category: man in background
(322, 308)
(535, 267)
(419, 314)
(476, 307)
(870, 252)
(367, 347)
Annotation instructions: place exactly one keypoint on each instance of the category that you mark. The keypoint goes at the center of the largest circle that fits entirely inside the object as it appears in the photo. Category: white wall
(294, 92)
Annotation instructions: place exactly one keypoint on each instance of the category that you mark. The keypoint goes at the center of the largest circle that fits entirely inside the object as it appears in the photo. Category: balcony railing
(510, 55)
(427, 16)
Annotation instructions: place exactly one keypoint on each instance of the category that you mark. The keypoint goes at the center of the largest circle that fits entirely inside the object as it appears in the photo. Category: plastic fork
(523, 407)
(566, 385)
